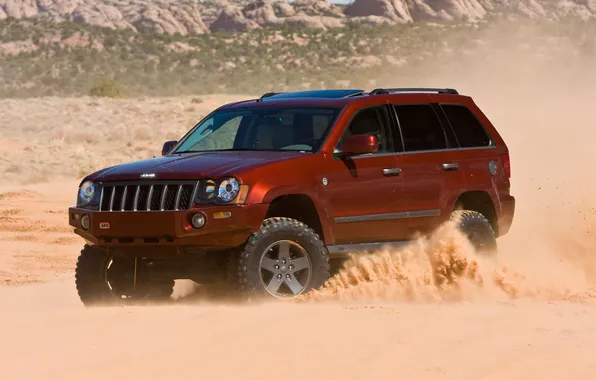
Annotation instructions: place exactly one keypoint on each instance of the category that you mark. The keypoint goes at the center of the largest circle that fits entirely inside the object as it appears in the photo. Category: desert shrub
(277, 58)
(105, 88)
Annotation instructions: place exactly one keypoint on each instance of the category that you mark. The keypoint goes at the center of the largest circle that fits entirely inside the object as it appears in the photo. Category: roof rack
(385, 91)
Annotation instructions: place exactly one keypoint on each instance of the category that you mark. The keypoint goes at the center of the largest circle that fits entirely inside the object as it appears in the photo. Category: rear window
(468, 130)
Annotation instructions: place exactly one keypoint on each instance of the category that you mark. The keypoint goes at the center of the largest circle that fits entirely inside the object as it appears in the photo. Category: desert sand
(532, 314)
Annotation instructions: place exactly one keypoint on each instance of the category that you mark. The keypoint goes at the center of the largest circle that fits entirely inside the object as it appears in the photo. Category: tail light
(506, 164)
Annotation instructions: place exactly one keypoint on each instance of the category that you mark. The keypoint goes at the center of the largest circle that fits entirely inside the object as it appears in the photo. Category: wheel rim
(285, 269)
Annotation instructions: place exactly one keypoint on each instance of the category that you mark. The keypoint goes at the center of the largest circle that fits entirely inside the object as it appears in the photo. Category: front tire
(102, 279)
(284, 259)
(477, 228)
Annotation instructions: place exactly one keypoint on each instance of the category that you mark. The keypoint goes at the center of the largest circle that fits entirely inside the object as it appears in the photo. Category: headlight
(88, 193)
(227, 189)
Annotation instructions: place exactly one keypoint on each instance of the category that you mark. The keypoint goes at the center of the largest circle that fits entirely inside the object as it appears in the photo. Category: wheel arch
(302, 207)
(481, 202)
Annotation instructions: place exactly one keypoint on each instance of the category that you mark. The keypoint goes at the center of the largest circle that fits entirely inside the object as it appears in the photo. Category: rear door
(364, 192)
(478, 154)
(431, 176)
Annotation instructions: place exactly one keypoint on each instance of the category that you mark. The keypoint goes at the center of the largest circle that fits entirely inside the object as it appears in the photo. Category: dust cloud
(540, 98)
(443, 267)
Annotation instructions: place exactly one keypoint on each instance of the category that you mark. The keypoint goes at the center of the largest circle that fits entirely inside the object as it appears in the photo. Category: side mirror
(168, 146)
(359, 144)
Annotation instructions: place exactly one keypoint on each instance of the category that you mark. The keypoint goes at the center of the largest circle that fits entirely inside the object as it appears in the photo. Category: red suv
(266, 193)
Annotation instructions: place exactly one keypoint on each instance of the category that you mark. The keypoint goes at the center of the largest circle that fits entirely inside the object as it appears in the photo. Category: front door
(364, 192)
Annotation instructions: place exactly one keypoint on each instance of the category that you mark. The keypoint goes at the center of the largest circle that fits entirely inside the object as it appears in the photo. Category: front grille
(147, 196)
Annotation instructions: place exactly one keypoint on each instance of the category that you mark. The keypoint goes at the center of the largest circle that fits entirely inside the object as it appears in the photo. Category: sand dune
(531, 314)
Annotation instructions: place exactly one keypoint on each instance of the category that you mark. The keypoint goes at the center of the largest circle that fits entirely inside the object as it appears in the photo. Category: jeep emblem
(104, 226)
(148, 175)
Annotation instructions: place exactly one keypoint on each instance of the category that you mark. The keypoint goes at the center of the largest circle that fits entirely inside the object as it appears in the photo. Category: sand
(531, 314)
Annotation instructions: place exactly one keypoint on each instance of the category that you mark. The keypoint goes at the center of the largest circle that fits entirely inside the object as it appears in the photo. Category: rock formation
(205, 16)
(159, 16)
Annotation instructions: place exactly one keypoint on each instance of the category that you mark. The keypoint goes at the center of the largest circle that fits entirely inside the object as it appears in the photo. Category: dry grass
(76, 136)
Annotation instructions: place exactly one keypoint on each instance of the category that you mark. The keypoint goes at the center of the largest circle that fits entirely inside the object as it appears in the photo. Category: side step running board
(342, 250)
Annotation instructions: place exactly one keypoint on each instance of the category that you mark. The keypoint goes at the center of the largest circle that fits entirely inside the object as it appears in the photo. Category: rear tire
(99, 285)
(284, 259)
(477, 229)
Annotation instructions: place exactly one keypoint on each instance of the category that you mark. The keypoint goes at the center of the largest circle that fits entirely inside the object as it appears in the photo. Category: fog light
(198, 220)
(85, 222)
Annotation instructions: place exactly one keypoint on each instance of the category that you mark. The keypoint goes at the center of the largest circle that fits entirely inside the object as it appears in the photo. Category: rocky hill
(40, 58)
(173, 47)
(191, 17)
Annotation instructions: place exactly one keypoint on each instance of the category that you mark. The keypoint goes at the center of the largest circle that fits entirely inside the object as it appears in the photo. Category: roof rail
(384, 91)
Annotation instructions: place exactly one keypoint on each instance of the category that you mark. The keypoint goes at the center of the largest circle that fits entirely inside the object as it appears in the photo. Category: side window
(467, 128)
(420, 127)
(374, 121)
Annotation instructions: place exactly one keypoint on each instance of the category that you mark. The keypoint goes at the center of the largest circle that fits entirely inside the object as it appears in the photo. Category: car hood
(192, 166)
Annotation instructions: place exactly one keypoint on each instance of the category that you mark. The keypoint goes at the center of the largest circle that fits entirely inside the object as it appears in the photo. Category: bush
(106, 88)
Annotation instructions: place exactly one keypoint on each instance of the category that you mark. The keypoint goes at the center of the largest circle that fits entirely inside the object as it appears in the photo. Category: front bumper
(169, 227)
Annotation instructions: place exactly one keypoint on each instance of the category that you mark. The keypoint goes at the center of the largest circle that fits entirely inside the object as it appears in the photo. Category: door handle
(450, 166)
(391, 171)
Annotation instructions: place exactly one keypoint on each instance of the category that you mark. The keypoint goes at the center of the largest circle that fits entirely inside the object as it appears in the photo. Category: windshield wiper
(187, 151)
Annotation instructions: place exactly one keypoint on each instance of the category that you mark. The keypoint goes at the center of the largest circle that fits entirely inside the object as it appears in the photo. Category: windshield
(267, 128)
